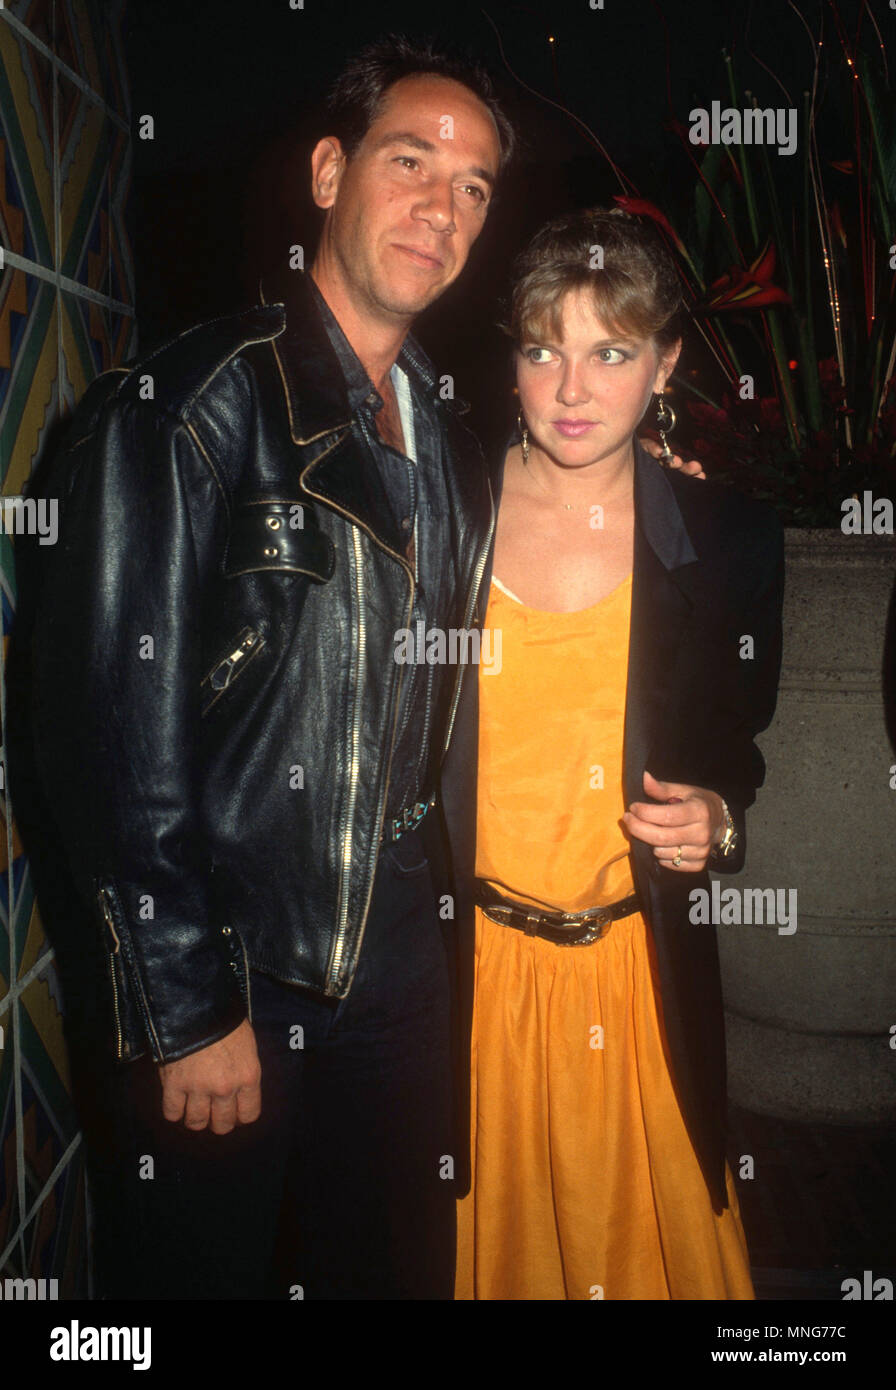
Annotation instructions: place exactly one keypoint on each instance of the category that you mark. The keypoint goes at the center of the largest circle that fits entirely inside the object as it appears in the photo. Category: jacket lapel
(320, 422)
(320, 417)
(665, 573)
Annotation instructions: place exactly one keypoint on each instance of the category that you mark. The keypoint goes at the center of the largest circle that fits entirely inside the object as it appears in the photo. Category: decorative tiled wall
(66, 313)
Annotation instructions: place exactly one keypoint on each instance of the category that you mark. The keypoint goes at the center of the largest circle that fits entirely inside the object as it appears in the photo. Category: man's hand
(654, 449)
(217, 1087)
(686, 828)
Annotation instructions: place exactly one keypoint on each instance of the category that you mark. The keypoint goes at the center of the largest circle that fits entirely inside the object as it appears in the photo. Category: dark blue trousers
(343, 1188)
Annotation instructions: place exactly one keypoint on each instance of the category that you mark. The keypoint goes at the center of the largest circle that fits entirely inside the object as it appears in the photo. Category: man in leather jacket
(243, 771)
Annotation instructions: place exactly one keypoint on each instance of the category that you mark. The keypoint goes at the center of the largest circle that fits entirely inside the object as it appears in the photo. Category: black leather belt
(563, 928)
(409, 819)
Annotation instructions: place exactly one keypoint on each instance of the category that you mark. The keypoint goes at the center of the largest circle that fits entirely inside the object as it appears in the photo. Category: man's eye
(475, 191)
(408, 160)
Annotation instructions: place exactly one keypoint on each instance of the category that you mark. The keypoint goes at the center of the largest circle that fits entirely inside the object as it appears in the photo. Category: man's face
(406, 208)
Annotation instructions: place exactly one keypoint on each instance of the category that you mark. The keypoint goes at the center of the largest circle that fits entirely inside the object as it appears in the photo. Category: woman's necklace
(567, 506)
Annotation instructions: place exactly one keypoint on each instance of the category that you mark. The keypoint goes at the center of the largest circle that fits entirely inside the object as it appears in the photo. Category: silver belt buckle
(598, 921)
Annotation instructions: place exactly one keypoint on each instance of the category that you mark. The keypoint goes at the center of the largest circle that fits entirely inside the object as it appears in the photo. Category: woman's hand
(684, 829)
(655, 449)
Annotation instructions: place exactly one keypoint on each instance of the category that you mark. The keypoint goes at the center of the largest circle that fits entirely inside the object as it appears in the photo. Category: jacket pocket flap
(282, 536)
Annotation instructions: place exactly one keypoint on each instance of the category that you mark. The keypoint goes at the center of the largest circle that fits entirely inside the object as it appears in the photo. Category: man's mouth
(422, 258)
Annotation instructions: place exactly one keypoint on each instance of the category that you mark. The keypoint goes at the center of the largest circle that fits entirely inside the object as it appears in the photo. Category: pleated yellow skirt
(585, 1180)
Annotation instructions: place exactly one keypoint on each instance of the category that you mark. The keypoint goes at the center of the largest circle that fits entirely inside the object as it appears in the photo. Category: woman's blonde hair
(619, 257)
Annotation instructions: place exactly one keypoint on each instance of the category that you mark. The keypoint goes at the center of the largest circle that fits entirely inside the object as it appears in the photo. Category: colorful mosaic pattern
(66, 313)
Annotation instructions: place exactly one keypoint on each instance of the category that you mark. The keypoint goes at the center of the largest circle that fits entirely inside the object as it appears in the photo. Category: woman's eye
(538, 354)
(612, 356)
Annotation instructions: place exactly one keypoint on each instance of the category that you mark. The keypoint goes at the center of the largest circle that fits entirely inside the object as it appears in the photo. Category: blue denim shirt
(419, 499)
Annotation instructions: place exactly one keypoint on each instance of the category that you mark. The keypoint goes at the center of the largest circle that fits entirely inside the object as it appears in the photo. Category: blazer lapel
(665, 571)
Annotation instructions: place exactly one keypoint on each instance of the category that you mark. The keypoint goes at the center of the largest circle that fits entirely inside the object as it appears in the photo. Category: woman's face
(582, 397)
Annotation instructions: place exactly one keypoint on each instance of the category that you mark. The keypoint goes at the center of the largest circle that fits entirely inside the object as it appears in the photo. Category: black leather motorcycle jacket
(214, 673)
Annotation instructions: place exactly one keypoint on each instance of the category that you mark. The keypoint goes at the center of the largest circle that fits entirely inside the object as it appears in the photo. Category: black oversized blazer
(704, 660)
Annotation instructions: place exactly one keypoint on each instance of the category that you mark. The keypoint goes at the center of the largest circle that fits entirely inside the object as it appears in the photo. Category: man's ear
(327, 164)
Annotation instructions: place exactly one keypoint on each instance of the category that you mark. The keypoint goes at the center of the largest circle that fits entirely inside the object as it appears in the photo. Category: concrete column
(809, 1014)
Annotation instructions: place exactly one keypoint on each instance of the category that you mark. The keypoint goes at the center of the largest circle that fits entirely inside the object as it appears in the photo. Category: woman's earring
(665, 422)
(524, 437)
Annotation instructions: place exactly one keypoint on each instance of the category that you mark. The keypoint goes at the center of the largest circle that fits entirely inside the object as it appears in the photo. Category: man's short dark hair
(356, 97)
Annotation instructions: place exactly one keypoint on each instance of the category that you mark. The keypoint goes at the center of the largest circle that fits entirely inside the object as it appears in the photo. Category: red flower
(747, 289)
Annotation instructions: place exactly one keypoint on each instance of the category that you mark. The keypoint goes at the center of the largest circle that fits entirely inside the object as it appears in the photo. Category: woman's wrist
(725, 843)
(722, 819)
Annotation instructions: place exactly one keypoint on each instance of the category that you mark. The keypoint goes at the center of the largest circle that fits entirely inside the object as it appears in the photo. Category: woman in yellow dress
(615, 760)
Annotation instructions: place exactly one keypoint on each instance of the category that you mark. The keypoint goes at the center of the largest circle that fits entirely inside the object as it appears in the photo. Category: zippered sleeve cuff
(176, 988)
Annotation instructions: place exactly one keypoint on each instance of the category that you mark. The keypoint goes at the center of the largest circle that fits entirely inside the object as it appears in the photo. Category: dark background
(235, 90)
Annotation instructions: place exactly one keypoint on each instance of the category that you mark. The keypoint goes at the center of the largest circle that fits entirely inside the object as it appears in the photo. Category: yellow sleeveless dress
(585, 1181)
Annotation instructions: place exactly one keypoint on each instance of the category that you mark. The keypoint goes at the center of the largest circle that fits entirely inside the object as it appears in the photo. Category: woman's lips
(572, 429)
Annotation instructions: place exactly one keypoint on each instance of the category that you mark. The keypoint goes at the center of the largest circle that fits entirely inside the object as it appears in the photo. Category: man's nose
(437, 206)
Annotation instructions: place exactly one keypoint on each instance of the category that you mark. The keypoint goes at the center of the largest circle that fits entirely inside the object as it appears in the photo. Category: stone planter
(809, 1014)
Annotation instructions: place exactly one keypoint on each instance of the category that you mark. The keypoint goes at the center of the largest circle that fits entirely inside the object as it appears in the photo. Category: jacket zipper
(347, 826)
(381, 805)
(348, 829)
(221, 675)
(107, 901)
(110, 923)
(471, 603)
(360, 668)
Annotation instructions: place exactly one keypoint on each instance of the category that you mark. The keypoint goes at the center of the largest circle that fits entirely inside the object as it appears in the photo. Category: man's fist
(217, 1087)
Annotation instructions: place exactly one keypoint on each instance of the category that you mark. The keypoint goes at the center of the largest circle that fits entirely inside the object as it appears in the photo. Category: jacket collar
(317, 394)
(319, 403)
